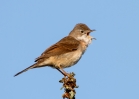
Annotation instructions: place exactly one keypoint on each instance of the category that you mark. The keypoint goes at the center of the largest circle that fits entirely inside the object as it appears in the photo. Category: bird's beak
(89, 31)
(94, 38)
(92, 30)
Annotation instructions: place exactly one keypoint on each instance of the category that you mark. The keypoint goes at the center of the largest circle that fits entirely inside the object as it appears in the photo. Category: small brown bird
(66, 52)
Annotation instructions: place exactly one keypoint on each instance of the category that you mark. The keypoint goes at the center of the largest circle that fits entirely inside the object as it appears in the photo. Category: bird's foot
(68, 75)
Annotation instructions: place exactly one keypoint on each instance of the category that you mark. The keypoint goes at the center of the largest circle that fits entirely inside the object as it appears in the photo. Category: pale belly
(67, 59)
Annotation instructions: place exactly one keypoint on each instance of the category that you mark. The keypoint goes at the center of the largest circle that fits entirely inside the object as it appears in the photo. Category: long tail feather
(30, 67)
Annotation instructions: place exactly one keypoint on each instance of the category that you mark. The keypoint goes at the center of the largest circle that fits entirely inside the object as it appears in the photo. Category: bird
(66, 52)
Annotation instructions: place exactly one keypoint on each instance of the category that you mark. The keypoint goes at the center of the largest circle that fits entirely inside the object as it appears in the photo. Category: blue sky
(108, 70)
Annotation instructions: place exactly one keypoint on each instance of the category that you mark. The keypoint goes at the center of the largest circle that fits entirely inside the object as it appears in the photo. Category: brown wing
(65, 45)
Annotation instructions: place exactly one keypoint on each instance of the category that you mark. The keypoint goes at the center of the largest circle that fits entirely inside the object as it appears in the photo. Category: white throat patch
(86, 38)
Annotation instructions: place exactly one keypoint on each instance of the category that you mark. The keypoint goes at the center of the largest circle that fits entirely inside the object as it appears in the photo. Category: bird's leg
(62, 71)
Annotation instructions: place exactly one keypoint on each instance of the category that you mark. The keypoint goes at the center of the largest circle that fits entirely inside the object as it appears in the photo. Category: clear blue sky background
(108, 70)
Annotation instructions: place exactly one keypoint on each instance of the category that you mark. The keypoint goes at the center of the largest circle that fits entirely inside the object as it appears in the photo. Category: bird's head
(82, 32)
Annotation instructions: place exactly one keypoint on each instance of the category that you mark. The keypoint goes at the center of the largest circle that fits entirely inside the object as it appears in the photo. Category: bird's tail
(30, 67)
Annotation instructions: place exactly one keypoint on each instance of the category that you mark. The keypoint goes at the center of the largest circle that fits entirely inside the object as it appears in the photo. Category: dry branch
(69, 83)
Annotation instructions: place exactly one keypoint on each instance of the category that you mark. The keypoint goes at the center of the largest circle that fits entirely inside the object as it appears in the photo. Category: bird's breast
(70, 58)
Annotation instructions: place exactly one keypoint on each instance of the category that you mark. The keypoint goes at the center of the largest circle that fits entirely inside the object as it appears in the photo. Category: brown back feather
(65, 45)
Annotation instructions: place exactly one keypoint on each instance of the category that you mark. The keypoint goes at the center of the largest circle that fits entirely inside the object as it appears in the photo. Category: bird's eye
(82, 31)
